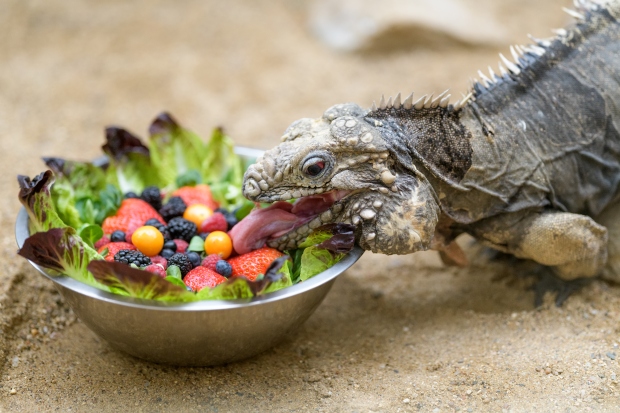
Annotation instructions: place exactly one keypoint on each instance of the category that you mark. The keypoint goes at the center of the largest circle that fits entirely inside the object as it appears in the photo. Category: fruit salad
(164, 220)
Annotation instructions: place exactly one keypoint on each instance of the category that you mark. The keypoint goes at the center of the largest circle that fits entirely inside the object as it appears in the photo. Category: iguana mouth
(284, 224)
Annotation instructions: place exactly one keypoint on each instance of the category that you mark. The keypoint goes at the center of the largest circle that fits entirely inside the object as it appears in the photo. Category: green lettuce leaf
(174, 150)
(81, 193)
(276, 277)
(90, 234)
(315, 260)
(232, 289)
(323, 248)
(223, 169)
(285, 279)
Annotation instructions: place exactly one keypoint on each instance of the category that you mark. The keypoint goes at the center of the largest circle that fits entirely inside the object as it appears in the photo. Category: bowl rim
(21, 233)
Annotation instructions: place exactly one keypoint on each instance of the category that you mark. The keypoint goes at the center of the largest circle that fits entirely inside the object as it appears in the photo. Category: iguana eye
(313, 167)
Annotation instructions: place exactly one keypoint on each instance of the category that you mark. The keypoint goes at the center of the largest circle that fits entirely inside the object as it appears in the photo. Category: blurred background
(70, 67)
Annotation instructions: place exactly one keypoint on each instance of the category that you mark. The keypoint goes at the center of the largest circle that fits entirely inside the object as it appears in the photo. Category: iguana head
(343, 168)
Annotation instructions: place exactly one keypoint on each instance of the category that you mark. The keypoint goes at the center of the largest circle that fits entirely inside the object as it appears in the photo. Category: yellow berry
(197, 213)
(218, 242)
(148, 240)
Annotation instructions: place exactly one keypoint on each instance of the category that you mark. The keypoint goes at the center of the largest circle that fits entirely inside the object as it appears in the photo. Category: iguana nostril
(251, 189)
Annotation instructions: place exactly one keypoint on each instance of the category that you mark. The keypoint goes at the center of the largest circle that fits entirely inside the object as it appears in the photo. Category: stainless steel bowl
(203, 333)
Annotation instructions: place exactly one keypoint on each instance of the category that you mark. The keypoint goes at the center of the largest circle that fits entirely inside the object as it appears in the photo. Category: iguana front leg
(572, 245)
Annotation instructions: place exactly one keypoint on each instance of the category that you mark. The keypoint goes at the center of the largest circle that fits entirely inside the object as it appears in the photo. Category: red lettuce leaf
(54, 249)
(163, 124)
(272, 275)
(342, 240)
(35, 196)
(120, 142)
(61, 250)
(129, 281)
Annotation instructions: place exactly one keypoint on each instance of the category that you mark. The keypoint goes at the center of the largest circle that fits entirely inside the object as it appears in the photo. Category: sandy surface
(394, 334)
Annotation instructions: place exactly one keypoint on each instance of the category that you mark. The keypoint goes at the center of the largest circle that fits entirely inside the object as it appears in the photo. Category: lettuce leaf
(174, 150)
(125, 280)
(276, 277)
(35, 196)
(130, 168)
(285, 279)
(235, 288)
(61, 250)
(223, 169)
(323, 248)
(82, 193)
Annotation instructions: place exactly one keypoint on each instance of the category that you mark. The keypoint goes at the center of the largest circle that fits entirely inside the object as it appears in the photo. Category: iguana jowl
(527, 162)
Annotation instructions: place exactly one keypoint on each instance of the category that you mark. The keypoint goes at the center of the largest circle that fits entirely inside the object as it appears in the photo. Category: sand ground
(394, 334)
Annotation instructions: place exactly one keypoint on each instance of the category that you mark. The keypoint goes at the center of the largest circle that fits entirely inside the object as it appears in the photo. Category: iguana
(528, 162)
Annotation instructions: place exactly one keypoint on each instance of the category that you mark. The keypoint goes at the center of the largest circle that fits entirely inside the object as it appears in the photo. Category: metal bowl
(204, 333)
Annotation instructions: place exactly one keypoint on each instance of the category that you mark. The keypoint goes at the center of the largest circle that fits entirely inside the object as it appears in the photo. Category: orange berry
(218, 242)
(197, 213)
(148, 240)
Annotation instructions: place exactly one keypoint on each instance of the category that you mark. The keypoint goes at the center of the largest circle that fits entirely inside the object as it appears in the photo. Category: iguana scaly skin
(527, 162)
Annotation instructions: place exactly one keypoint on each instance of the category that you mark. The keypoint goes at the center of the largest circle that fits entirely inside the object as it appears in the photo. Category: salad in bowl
(164, 220)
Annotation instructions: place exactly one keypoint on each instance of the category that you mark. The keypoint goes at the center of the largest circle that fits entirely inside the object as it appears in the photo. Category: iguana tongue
(252, 231)
(277, 219)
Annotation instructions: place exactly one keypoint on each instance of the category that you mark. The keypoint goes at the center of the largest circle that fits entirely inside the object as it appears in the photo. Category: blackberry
(132, 257)
(181, 261)
(173, 208)
(180, 228)
(154, 222)
(131, 194)
(152, 195)
(223, 268)
(194, 258)
(117, 236)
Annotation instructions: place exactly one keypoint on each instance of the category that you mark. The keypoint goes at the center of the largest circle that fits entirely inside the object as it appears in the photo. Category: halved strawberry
(199, 194)
(114, 247)
(201, 277)
(132, 214)
(253, 263)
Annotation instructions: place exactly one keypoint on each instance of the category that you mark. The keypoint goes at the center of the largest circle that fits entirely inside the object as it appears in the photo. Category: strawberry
(253, 263)
(156, 269)
(216, 222)
(181, 245)
(132, 214)
(199, 194)
(114, 247)
(210, 261)
(201, 277)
